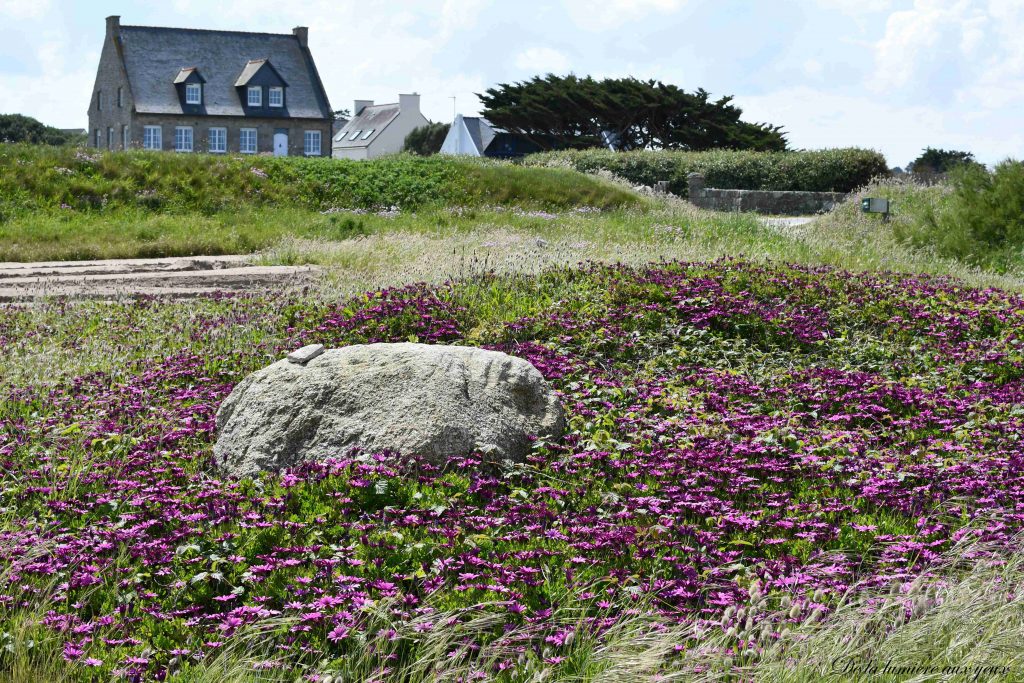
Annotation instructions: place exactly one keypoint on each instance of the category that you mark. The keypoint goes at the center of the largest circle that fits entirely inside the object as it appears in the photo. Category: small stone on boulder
(305, 354)
(437, 402)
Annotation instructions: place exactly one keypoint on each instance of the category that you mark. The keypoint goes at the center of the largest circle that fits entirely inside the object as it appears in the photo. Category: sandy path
(178, 277)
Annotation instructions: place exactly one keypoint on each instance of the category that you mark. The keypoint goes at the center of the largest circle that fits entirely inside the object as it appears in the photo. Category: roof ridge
(210, 30)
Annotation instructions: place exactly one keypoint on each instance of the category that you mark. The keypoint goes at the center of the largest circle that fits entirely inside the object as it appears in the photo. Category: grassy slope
(58, 203)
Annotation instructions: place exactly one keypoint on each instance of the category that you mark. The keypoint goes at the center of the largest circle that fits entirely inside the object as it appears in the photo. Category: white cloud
(24, 9)
(542, 60)
(813, 68)
(931, 30)
(597, 16)
(857, 7)
(816, 119)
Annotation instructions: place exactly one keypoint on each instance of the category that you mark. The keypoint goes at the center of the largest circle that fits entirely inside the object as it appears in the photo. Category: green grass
(63, 203)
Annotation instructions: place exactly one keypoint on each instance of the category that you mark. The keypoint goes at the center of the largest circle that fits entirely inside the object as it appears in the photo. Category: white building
(468, 135)
(378, 129)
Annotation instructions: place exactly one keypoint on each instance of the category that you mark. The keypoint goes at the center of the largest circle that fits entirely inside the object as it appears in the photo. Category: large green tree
(19, 128)
(573, 112)
(934, 160)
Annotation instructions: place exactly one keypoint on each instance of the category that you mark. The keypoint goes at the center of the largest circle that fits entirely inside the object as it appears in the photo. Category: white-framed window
(99, 100)
(218, 139)
(99, 140)
(152, 137)
(247, 140)
(355, 134)
(367, 134)
(110, 138)
(120, 97)
(311, 143)
(275, 98)
(255, 96)
(126, 137)
(183, 138)
(193, 93)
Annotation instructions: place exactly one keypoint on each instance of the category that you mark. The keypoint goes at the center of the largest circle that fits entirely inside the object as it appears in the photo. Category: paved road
(177, 277)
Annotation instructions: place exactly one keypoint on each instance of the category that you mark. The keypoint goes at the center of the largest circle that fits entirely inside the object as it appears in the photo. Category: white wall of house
(358, 153)
(392, 138)
(458, 140)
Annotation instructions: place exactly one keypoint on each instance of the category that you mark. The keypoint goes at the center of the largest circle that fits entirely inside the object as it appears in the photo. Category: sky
(891, 75)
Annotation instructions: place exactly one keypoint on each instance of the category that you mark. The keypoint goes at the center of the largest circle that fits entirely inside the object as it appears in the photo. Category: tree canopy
(571, 112)
(426, 140)
(19, 128)
(934, 160)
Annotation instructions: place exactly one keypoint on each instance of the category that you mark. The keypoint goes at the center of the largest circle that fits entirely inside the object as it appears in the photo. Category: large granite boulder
(437, 402)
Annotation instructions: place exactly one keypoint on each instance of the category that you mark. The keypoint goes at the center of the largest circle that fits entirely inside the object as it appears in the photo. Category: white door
(280, 144)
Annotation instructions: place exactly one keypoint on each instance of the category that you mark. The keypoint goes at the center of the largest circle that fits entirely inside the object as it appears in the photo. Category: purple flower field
(801, 430)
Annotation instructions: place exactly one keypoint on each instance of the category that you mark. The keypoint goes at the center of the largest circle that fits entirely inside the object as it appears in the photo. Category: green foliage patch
(827, 170)
(36, 179)
(980, 219)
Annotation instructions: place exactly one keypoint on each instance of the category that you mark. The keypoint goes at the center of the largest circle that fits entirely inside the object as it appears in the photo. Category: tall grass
(963, 621)
(979, 221)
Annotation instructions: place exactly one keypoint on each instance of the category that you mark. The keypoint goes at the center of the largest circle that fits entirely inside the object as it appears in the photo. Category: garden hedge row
(827, 170)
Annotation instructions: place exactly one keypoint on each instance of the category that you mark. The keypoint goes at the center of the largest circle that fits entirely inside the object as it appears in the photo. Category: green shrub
(982, 221)
(426, 140)
(828, 170)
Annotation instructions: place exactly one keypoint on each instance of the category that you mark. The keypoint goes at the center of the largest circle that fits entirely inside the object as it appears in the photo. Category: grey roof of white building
(154, 56)
(480, 130)
(372, 119)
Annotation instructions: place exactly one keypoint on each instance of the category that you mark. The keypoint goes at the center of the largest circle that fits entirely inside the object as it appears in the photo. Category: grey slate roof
(376, 117)
(154, 56)
(480, 130)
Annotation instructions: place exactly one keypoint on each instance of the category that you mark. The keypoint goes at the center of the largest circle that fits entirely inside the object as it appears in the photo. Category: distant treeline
(19, 128)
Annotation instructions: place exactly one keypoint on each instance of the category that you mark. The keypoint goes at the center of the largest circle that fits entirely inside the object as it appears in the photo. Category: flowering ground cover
(736, 431)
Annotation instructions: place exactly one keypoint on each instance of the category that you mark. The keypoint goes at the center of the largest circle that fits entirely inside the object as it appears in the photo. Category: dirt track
(177, 277)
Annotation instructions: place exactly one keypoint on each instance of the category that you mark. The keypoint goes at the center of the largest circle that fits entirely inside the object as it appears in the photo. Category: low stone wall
(761, 201)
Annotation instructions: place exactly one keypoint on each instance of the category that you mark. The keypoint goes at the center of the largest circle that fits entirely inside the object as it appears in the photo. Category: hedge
(827, 170)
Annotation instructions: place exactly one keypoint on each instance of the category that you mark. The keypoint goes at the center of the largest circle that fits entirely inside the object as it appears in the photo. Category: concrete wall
(761, 201)
(357, 153)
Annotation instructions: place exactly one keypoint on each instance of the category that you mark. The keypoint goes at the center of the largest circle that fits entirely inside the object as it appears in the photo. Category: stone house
(192, 90)
(378, 129)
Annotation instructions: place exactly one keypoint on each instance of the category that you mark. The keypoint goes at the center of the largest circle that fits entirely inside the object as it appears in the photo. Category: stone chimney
(302, 33)
(409, 103)
(359, 105)
(113, 25)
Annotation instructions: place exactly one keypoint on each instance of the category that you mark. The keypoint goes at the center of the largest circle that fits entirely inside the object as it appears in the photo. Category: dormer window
(189, 83)
(257, 76)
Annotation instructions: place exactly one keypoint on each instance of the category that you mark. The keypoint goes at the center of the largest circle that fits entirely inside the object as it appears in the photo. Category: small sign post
(876, 205)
